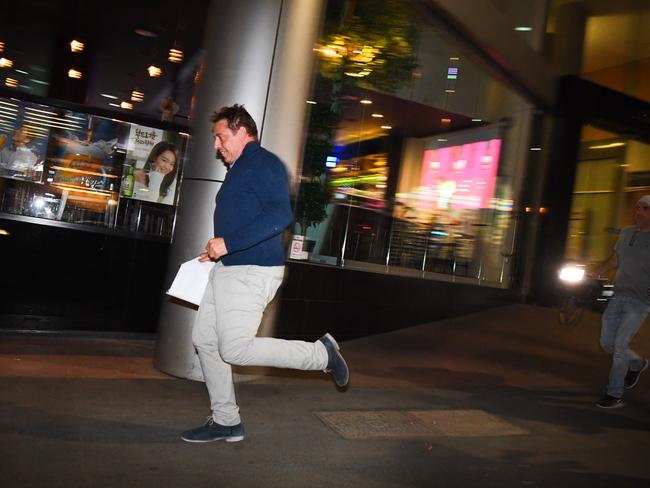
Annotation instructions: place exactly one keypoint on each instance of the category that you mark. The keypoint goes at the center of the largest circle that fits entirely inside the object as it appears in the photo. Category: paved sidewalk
(500, 398)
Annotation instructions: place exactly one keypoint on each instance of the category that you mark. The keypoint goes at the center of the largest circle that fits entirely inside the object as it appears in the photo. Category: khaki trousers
(224, 333)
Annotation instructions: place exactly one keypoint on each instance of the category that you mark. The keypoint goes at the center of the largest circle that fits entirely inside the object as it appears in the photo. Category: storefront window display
(76, 168)
(412, 141)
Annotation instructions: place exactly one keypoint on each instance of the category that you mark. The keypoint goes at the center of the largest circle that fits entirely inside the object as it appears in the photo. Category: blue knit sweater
(252, 209)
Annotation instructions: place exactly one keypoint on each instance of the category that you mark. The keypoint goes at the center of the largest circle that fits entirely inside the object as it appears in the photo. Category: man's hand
(215, 249)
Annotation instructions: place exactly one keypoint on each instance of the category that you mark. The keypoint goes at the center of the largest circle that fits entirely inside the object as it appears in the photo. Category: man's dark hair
(236, 117)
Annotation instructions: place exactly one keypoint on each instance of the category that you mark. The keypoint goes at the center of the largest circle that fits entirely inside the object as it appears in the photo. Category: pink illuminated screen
(461, 176)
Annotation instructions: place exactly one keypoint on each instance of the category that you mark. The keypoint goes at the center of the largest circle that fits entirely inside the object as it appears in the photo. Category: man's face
(642, 214)
(229, 144)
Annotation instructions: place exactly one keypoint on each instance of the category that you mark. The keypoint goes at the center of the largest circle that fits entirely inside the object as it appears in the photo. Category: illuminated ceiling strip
(53, 119)
(30, 109)
(54, 123)
(7, 116)
(35, 127)
(10, 104)
(45, 127)
(9, 109)
(78, 118)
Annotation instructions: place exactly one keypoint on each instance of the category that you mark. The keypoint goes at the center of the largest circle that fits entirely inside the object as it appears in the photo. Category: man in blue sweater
(252, 210)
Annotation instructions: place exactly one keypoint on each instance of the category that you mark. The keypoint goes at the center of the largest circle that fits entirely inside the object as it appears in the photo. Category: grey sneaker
(336, 365)
(212, 431)
(632, 377)
(608, 401)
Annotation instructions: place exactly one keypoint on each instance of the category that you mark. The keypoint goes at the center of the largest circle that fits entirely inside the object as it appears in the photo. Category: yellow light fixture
(126, 105)
(4, 232)
(76, 46)
(11, 82)
(137, 96)
(74, 73)
(6, 63)
(311, 102)
(175, 55)
(365, 101)
(154, 71)
(377, 116)
(445, 120)
(386, 127)
(2, 46)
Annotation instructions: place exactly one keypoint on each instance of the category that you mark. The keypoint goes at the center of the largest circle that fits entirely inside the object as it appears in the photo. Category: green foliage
(313, 198)
(372, 46)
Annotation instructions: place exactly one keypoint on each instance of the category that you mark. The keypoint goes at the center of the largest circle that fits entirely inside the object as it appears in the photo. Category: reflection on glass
(420, 181)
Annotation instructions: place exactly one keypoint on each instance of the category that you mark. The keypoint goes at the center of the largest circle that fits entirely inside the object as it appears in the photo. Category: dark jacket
(252, 209)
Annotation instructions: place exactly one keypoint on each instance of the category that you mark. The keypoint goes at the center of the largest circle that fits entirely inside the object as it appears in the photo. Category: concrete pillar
(569, 38)
(258, 53)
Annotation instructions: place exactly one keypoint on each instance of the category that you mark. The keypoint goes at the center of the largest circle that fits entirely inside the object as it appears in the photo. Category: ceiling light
(6, 63)
(311, 102)
(445, 120)
(449, 90)
(154, 71)
(535, 148)
(76, 46)
(365, 101)
(2, 46)
(73, 73)
(4, 232)
(523, 28)
(21, 71)
(454, 58)
(607, 146)
(442, 139)
(106, 95)
(126, 105)
(386, 127)
(377, 116)
(11, 83)
(137, 96)
(175, 55)
(477, 120)
(145, 33)
(114, 105)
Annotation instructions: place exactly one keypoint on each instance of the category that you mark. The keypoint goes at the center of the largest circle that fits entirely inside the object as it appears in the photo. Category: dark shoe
(213, 431)
(609, 401)
(632, 377)
(336, 365)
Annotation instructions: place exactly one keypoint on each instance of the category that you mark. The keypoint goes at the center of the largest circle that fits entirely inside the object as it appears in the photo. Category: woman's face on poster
(165, 162)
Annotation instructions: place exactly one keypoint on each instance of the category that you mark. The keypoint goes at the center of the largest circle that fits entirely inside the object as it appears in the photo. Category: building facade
(445, 156)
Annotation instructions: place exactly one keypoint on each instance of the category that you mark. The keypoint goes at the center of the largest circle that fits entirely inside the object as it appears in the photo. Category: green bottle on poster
(128, 182)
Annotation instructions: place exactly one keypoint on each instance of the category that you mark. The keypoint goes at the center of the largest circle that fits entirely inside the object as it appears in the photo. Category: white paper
(191, 280)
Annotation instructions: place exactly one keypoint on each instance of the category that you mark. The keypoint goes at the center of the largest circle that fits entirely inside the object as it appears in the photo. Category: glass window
(612, 173)
(76, 168)
(413, 153)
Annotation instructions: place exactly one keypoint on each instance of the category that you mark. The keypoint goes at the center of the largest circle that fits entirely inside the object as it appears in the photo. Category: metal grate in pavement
(382, 424)
(396, 424)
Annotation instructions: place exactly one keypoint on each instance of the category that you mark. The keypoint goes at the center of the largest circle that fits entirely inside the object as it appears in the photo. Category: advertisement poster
(151, 167)
(23, 141)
